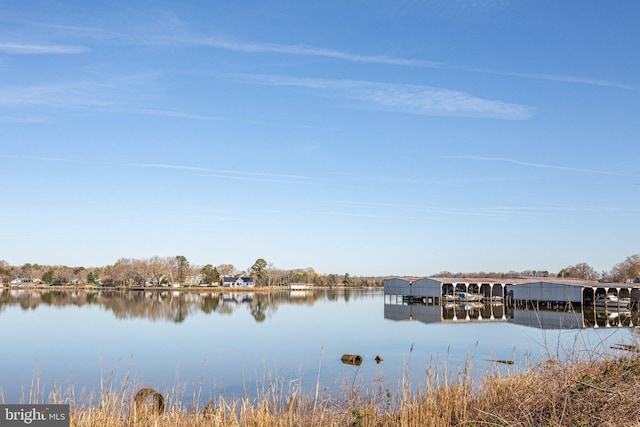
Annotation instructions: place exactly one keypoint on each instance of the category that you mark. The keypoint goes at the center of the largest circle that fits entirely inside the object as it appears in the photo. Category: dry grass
(597, 391)
(588, 393)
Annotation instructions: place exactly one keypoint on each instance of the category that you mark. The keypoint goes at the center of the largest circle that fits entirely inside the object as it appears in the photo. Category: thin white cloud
(477, 211)
(559, 78)
(17, 118)
(91, 34)
(244, 176)
(402, 98)
(171, 31)
(360, 215)
(46, 159)
(39, 49)
(70, 95)
(301, 50)
(229, 174)
(114, 95)
(576, 80)
(419, 211)
(539, 165)
(200, 171)
(174, 114)
(164, 166)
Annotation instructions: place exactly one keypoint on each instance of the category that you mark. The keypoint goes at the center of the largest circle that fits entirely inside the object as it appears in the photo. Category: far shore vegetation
(178, 271)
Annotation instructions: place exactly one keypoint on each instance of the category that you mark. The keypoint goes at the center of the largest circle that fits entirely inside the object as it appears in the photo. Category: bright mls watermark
(34, 415)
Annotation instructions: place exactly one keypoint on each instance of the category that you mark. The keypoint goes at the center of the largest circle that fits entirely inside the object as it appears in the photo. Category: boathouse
(557, 292)
(550, 292)
(416, 288)
(573, 292)
(433, 290)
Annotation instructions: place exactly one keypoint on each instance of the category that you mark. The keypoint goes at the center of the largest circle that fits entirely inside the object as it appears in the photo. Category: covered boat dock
(437, 289)
(542, 302)
(534, 292)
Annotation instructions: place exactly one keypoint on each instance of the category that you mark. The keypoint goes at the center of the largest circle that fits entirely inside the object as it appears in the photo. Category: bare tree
(80, 275)
(6, 271)
(172, 268)
(227, 270)
(123, 271)
(64, 275)
(156, 270)
(581, 271)
(627, 270)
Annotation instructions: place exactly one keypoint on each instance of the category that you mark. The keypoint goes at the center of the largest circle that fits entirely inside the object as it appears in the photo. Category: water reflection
(221, 341)
(176, 306)
(168, 305)
(543, 317)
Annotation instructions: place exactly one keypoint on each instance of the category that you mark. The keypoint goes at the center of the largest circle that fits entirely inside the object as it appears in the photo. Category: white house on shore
(237, 282)
(21, 281)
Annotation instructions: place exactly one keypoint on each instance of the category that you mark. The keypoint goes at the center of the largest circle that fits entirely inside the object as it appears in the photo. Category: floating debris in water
(351, 359)
(504, 361)
(626, 347)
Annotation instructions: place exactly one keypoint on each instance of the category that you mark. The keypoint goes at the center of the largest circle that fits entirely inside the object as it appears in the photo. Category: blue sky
(375, 138)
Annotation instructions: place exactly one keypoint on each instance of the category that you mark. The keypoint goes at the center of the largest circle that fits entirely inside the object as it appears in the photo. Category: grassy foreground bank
(603, 392)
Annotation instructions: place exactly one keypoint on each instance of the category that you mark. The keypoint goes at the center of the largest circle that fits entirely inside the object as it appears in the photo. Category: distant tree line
(159, 270)
(623, 272)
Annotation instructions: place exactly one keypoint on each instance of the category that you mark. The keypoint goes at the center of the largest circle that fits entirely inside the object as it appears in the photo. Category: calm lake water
(211, 343)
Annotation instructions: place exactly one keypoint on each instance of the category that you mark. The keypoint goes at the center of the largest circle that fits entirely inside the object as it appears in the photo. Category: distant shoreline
(264, 289)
